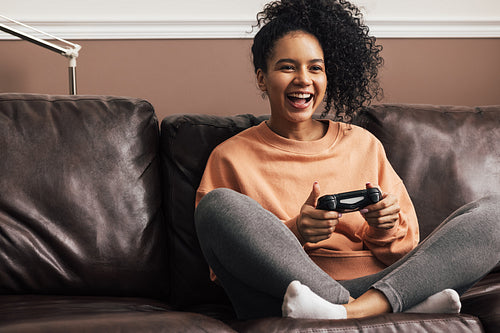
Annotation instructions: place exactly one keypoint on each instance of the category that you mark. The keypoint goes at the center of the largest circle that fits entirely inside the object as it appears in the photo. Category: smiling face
(295, 81)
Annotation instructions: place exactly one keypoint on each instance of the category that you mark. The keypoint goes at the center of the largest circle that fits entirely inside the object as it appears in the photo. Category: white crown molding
(227, 29)
(143, 29)
(435, 28)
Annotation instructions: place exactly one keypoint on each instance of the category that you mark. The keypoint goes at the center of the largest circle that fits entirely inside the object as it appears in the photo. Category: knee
(489, 222)
(489, 209)
(487, 218)
(479, 217)
(491, 200)
(217, 196)
(214, 200)
(210, 207)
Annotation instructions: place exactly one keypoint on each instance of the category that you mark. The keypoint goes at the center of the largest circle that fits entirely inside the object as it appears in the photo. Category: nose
(303, 78)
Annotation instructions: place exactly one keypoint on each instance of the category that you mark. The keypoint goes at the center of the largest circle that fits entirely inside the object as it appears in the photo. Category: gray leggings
(255, 256)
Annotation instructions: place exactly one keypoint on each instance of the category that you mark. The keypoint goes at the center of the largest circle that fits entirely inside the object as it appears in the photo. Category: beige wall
(215, 76)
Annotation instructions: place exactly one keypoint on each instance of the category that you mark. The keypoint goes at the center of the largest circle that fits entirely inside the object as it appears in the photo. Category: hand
(383, 214)
(313, 224)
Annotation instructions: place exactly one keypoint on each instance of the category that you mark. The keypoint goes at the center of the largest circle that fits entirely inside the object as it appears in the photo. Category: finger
(385, 226)
(318, 232)
(385, 222)
(388, 200)
(382, 219)
(314, 195)
(388, 211)
(370, 185)
(319, 223)
(319, 214)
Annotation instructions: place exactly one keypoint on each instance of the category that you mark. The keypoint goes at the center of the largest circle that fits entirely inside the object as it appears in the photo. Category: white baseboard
(85, 30)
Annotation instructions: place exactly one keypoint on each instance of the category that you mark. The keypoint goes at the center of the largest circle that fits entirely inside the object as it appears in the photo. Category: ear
(261, 80)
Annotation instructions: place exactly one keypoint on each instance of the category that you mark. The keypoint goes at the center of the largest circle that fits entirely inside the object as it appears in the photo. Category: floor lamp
(70, 52)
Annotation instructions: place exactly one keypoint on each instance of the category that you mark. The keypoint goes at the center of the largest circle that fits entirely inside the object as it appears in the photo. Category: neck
(303, 131)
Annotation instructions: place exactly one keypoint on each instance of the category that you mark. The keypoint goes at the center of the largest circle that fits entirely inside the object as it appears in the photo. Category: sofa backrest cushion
(447, 156)
(186, 143)
(80, 202)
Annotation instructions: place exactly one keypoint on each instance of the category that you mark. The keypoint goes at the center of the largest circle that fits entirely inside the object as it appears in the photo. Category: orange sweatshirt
(279, 174)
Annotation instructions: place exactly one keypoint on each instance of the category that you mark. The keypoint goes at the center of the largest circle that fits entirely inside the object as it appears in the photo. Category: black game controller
(349, 201)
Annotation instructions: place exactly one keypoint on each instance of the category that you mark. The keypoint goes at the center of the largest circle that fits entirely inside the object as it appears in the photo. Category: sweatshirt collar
(300, 147)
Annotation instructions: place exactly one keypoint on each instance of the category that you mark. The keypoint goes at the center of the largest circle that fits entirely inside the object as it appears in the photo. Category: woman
(256, 217)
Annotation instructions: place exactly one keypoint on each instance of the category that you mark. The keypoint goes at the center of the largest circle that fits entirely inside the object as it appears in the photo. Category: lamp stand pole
(72, 75)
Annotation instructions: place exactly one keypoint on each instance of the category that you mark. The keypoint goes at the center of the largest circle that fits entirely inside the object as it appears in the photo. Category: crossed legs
(256, 258)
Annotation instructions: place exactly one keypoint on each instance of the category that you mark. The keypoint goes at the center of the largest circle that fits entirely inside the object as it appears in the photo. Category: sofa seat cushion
(483, 301)
(394, 322)
(36, 313)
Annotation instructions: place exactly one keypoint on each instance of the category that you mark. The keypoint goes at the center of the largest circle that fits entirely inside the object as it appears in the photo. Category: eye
(317, 68)
(287, 67)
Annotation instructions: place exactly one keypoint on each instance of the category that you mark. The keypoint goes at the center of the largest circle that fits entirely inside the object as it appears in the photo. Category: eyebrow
(293, 61)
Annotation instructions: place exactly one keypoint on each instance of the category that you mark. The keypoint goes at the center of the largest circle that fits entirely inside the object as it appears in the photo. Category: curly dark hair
(352, 57)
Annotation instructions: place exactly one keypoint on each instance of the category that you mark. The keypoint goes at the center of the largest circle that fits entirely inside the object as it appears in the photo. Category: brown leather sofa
(96, 213)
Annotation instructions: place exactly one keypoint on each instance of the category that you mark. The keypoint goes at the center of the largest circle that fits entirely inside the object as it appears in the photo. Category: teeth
(299, 95)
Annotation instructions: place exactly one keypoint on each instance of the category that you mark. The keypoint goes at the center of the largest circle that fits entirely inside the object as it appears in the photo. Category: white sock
(446, 301)
(301, 302)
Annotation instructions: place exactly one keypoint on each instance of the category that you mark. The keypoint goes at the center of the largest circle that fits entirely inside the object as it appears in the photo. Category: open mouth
(300, 99)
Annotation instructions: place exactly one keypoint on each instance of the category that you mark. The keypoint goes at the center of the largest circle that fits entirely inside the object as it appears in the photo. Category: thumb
(370, 185)
(314, 195)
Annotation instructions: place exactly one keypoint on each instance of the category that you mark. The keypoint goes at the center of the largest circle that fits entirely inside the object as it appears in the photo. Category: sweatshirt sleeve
(392, 244)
